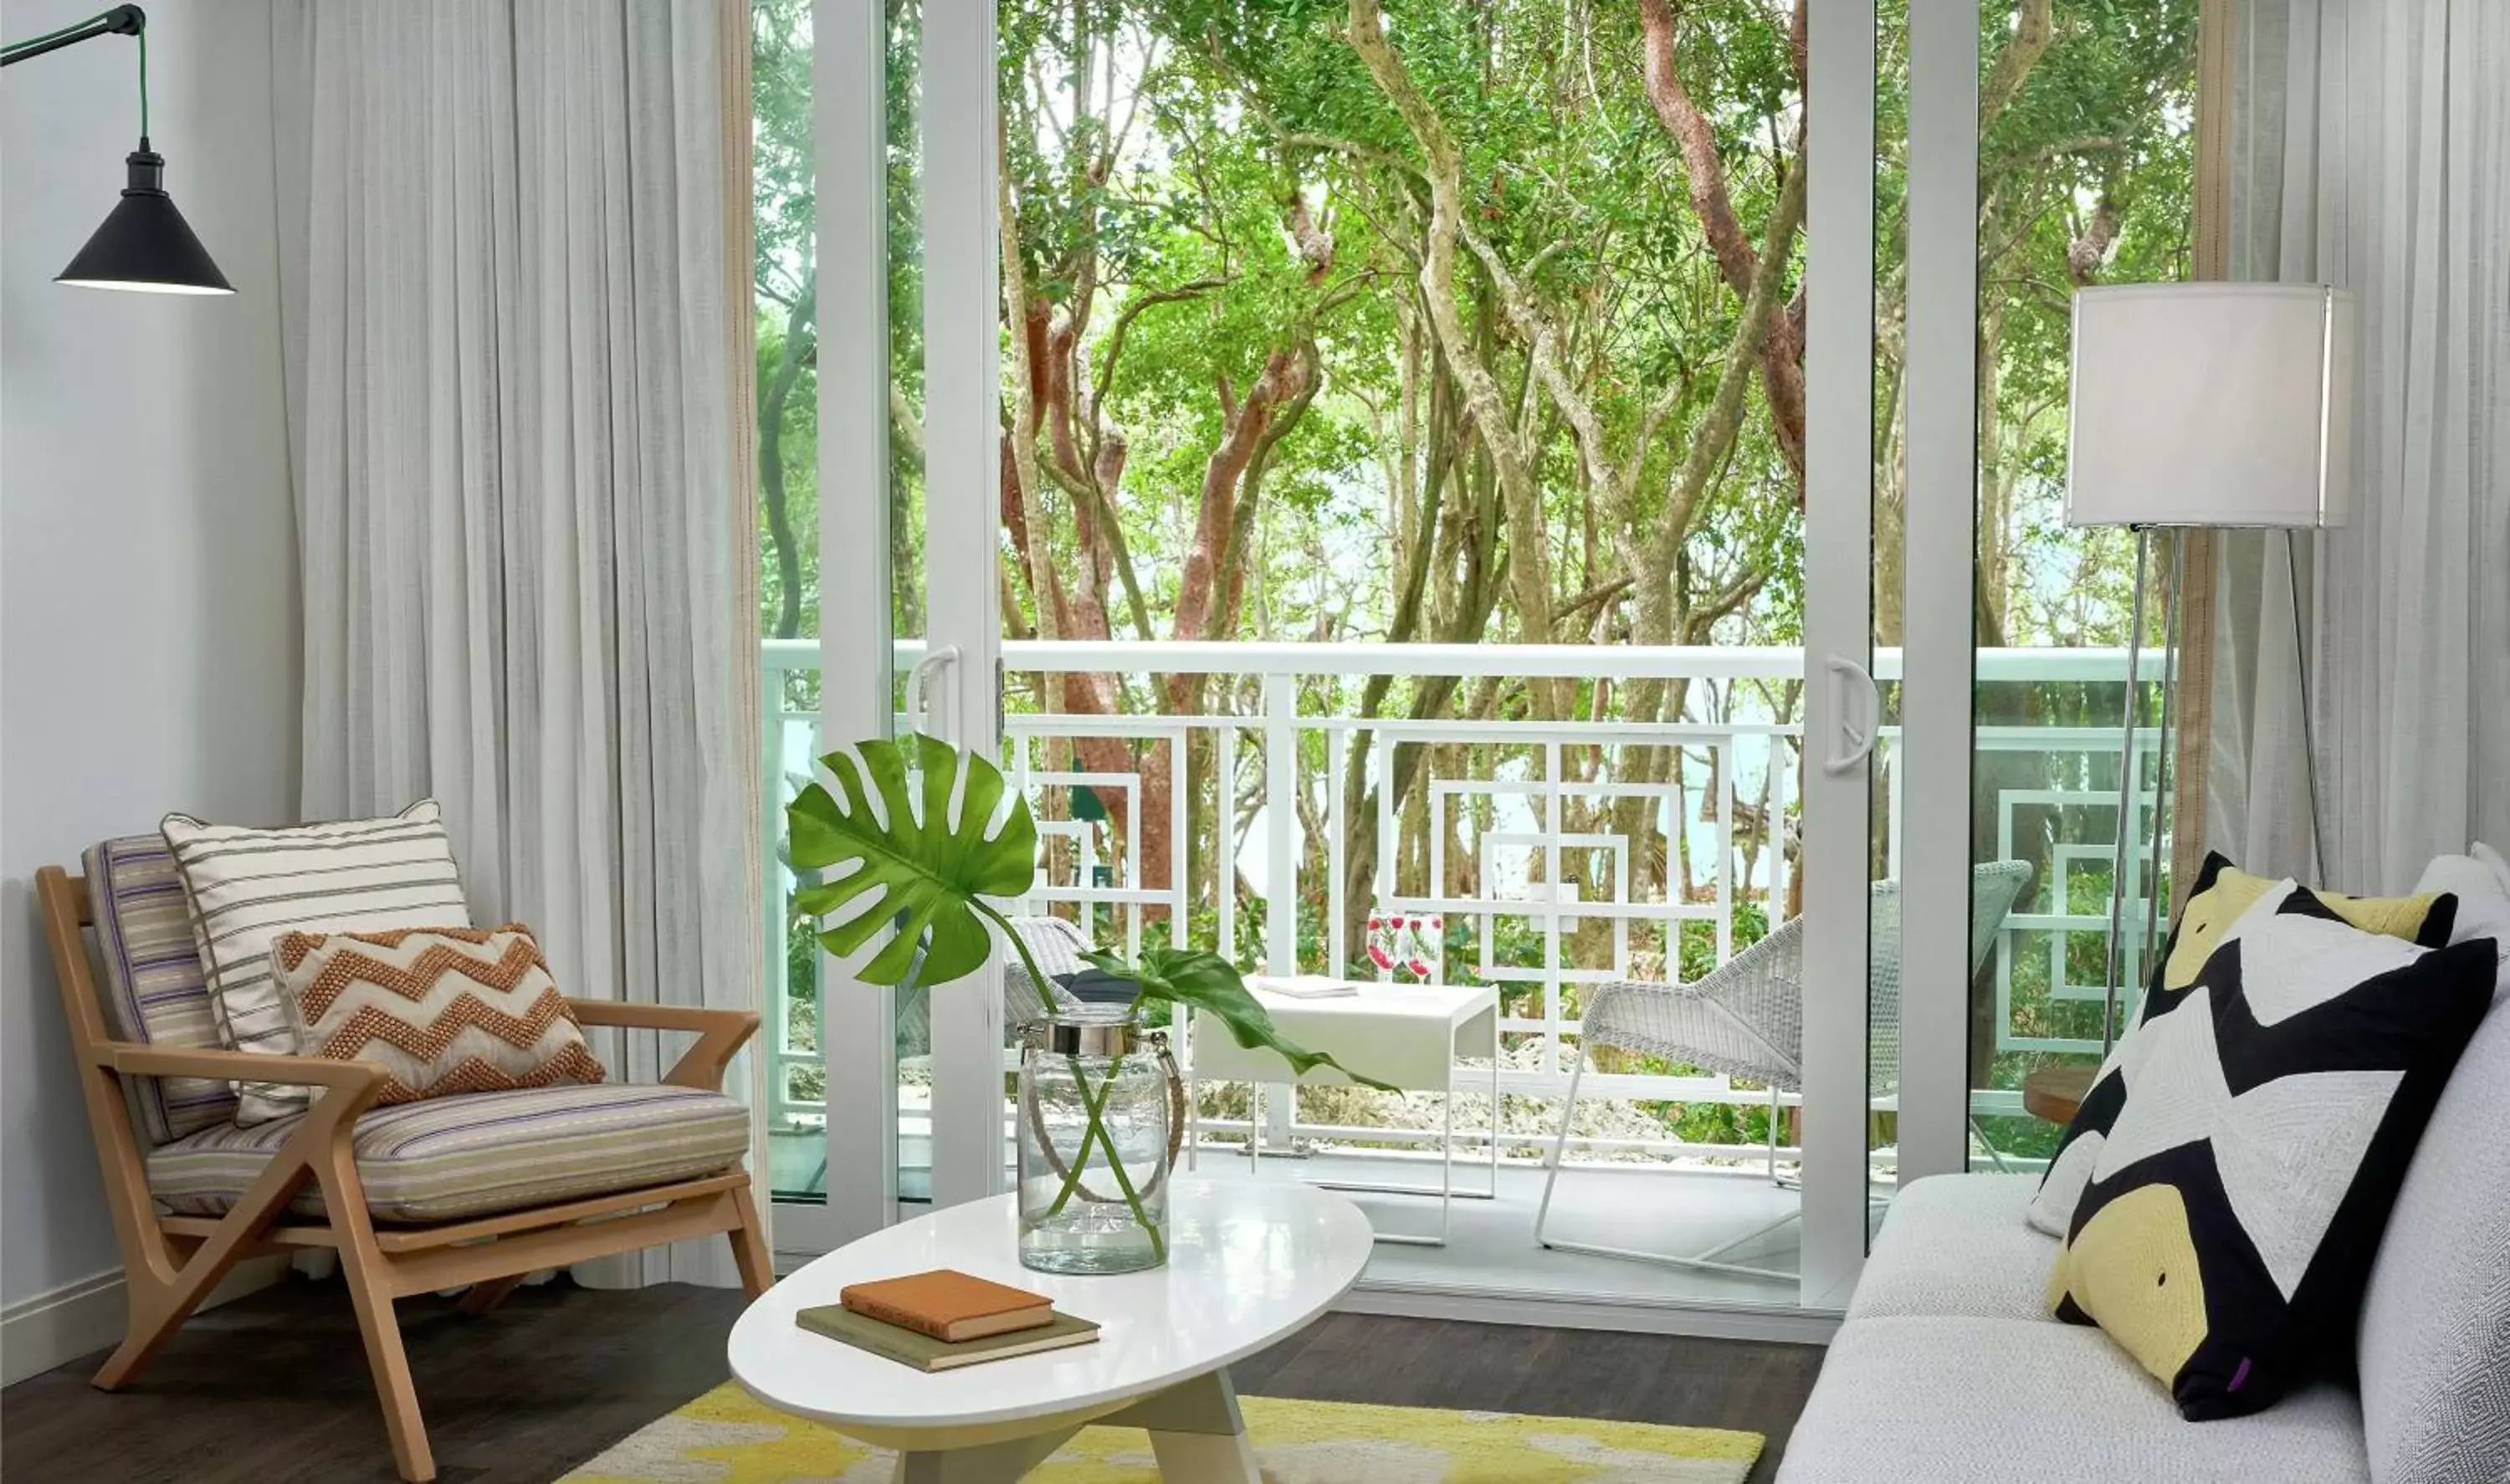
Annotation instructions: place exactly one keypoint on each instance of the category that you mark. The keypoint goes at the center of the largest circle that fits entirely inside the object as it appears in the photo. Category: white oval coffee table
(1249, 1262)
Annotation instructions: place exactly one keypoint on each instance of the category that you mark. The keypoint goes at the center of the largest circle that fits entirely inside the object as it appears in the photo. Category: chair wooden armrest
(136, 1059)
(720, 1033)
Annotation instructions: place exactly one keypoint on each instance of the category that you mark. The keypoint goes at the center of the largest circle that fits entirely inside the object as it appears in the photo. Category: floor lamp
(2203, 405)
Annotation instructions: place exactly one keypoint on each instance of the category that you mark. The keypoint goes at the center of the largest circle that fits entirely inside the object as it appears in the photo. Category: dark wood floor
(272, 1389)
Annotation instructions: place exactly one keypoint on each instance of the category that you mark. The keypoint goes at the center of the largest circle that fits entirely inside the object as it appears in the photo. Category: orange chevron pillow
(448, 1009)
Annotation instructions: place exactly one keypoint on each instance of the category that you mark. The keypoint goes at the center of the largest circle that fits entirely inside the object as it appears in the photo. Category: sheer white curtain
(525, 529)
(2371, 149)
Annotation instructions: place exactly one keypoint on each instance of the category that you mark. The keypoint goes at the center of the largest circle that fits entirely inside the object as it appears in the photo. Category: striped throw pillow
(245, 887)
(449, 1010)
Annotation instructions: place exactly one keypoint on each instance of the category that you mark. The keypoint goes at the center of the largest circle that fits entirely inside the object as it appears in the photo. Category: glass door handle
(1854, 741)
(919, 684)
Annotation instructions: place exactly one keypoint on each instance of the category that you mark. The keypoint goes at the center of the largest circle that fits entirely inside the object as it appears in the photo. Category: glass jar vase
(1100, 1114)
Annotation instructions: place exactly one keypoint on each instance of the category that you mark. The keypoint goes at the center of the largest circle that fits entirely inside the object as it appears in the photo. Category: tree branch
(1529, 542)
(2035, 28)
(1125, 317)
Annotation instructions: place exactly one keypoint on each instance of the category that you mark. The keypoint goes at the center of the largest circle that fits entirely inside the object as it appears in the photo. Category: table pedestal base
(1196, 1432)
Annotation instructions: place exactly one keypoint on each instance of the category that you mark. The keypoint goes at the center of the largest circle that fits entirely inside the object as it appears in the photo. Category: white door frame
(848, 140)
(962, 618)
(1839, 626)
(1941, 539)
(962, 505)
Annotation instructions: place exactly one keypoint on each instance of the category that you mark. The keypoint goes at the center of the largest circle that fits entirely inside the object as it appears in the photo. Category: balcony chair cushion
(2269, 1114)
(245, 887)
(447, 1159)
(2434, 1351)
(155, 990)
(448, 1009)
(2223, 893)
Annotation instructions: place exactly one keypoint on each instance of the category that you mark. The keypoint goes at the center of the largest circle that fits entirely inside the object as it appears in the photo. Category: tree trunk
(799, 323)
(1529, 540)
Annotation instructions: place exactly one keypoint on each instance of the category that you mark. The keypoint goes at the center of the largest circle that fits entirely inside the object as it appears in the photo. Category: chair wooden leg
(159, 1300)
(362, 1266)
(488, 1293)
(749, 1247)
(156, 1313)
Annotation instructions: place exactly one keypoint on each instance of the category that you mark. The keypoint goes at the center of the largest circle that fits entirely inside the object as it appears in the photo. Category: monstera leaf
(925, 867)
(920, 871)
(1206, 981)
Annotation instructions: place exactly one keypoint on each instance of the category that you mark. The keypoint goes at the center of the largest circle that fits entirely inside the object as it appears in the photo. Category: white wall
(148, 637)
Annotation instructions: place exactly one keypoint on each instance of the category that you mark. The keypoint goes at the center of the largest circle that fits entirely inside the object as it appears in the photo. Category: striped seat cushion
(155, 990)
(451, 1157)
(245, 887)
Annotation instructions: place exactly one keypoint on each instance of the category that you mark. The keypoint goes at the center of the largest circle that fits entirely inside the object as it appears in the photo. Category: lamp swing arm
(120, 20)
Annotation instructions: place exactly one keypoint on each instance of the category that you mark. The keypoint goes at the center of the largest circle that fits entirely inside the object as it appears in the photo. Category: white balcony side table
(1409, 1035)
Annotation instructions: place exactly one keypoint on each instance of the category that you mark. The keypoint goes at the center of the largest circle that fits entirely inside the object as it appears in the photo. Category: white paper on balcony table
(1303, 986)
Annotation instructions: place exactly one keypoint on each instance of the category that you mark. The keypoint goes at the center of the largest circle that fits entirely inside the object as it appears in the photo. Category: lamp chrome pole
(2162, 761)
(2126, 800)
(2308, 742)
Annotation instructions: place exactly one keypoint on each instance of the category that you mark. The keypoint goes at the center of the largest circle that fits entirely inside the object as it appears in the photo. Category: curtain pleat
(2372, 144)
(522, 523)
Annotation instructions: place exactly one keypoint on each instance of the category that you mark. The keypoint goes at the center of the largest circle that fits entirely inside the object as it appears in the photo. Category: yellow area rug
(728, 1437)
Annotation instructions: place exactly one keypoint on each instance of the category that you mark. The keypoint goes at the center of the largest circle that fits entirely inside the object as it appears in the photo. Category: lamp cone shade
(145, 244)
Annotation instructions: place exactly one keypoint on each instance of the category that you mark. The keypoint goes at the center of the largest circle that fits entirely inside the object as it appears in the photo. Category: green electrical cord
(141, 35)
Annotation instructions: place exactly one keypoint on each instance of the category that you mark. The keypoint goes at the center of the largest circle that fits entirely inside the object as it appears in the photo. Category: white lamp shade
(2211, 404)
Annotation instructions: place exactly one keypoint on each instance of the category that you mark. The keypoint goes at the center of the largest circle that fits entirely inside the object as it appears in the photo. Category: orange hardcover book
(948, 1305)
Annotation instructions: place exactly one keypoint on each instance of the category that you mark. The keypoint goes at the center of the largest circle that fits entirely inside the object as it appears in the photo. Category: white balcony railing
(1509, 799)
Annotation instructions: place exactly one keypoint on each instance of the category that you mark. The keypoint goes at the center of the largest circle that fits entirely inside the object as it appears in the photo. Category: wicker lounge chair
(1746, 1020)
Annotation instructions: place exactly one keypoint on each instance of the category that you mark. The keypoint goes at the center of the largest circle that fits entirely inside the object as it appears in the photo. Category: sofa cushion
(451, 1157)
(2270, 1113)
(1993, 1401)
(1955, 1246)
(155, 990)
(2435, 1342)
(245, 887)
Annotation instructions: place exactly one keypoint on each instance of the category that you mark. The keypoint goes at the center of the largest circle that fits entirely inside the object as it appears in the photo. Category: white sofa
(1949, 1369)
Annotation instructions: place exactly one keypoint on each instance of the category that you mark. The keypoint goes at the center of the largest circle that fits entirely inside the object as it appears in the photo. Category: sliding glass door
(1350, 484)
(2082, 135)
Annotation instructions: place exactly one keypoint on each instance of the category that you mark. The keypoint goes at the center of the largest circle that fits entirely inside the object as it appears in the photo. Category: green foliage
(914, 845)
(930, 864)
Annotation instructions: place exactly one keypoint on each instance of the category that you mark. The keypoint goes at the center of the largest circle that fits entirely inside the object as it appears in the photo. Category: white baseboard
(1710, 1322)
(60, 1325)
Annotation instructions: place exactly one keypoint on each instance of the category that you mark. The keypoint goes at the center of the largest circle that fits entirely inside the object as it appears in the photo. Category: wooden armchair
(171, 1262)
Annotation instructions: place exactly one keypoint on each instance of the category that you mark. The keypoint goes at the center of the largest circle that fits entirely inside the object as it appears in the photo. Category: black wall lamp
(145, 245)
